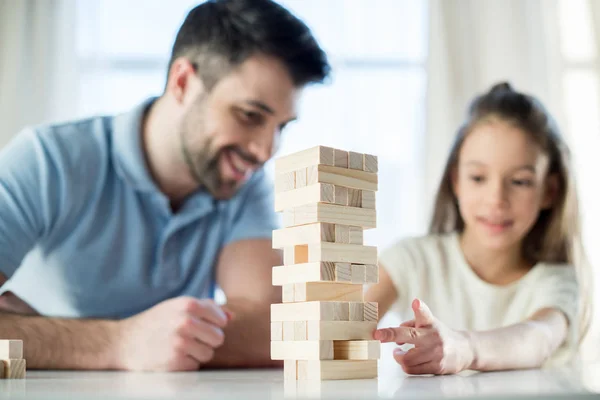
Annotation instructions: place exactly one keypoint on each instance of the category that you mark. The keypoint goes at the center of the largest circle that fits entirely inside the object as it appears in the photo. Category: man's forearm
(247, 338)
(55, 343)
(525, 345)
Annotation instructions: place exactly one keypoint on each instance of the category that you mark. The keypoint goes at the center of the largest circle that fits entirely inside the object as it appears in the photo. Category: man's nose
(262, 147)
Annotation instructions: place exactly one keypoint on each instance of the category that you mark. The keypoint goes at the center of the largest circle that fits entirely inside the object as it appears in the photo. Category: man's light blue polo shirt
(85, 232)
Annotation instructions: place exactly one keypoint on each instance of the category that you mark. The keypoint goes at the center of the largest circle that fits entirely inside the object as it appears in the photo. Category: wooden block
(309, 272)
(15, 368)
(343, 272)
(341, 252)
(311, 311)
(355, 160)
(357, 312)
(335, 214)
(336, 369)
(290, 369)
(301, 330)
(371, 273)
(303, 234)
(371, 311)
(368, 199)
(289, 255)
(356, 350)
(287, 218)
(342, 234)
(340, 158)
(350, 178)
(319, 192)
(287, 293)
(358, 273)
(277, 330)
(289, 330)
(355, 235)
(11, 349)
(302, 159)
(285, 182)
(340, 195)
(312, 175)
(301, 177)
(295, 254)
(341, 330)
(302, 350)
(370, 163)
(354, 198)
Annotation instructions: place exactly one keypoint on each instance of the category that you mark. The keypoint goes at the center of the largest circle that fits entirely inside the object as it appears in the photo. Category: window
(582, 102)
(375, 102)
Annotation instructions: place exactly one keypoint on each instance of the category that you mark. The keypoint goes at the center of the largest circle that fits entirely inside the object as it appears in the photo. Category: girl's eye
(522, 182)
(476, 178)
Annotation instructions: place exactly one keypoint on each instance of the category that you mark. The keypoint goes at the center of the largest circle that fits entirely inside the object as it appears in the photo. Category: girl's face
(501, 184)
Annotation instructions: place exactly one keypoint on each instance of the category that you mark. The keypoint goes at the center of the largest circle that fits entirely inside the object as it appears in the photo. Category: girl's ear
(550, 192)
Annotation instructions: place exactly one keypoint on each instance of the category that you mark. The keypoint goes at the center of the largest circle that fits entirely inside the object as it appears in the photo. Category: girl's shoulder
(420, 250)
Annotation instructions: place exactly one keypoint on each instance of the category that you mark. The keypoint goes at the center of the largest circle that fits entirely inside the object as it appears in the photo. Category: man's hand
(179, 334)
(438, 349)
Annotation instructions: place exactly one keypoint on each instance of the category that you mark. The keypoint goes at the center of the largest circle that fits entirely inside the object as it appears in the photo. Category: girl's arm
(382, 292)
(441, 350)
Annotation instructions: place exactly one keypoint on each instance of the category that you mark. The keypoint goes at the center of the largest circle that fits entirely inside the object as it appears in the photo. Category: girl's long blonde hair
(556, 235)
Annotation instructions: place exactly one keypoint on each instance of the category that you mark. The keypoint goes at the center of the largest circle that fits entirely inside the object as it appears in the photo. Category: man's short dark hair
(219, 35)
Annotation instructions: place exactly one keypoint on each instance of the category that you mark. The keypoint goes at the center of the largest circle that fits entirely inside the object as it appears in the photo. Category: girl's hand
(438, 349)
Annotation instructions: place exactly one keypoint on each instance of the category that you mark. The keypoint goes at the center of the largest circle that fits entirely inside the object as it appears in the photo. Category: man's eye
(252, 117)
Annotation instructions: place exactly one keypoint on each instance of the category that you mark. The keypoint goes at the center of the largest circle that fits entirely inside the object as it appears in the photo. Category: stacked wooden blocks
(323, 329)
(12, 364)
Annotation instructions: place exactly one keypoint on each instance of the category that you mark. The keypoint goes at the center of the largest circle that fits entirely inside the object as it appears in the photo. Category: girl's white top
(433, 269)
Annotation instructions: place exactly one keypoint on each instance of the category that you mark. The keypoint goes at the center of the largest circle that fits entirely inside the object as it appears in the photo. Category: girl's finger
(431, 367)
(410, 323)
(412, 357)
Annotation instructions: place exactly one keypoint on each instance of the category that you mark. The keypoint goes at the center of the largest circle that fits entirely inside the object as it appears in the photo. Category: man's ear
(550, 191)
(182, 83)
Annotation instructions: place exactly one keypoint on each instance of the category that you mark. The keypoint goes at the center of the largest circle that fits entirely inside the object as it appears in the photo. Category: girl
(495, 278)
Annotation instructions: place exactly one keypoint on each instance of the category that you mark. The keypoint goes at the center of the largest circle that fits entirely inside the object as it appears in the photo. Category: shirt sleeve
(400, 263)
(255, 217)
(558, 289)
(25, 209)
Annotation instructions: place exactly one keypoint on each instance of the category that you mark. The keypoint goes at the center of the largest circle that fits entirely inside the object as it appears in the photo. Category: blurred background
(404, 72)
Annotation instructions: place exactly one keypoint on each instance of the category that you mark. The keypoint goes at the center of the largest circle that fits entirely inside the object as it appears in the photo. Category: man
(115, 230)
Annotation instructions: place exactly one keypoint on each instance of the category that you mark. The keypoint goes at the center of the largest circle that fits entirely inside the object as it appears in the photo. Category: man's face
(231, 131)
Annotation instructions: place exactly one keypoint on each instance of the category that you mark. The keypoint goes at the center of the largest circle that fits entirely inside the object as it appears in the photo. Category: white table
(563, 383)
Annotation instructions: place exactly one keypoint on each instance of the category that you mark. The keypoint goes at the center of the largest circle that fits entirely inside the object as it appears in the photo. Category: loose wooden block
(371, 273)
(357, 312)
(350, 178)
(370, 163)
(285, 182)
(355, 160)
(301, 177)
(336, 369)
(289, 330)
(295, 254)
(308, 272)
(312, 175)
(341, 330)
(356, 350)
(15, 368)
(340, 158)
(368, 199)
(287, 218)
(340, 195)
(371, 311)
(287, 293)
(290, 369)
(343, 272)
(300, 330)
(342, 234)
(334, 214)
(302, 350)
(311, 311)
(358, 273)
(355, 235)
(289, 255)
(341, 252)
(354, 198)
(319, 192)
(305, 158)
(11, 349)
(303, 234)
(326, 291)
(277, 330)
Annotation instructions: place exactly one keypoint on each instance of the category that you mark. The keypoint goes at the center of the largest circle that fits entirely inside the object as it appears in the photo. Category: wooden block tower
(12, 364)
(323, 329)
